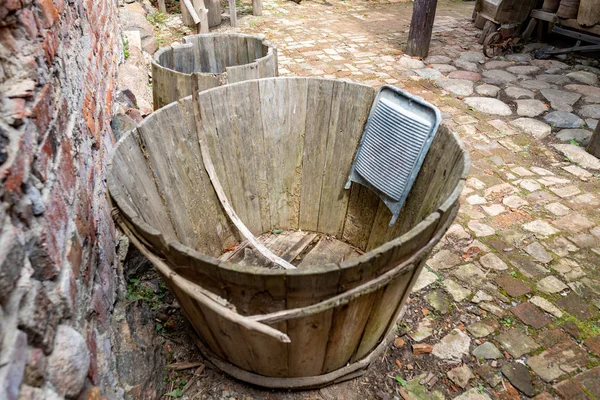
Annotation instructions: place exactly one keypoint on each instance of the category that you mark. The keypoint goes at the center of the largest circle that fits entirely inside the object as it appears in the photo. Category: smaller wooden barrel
(217, 59)
(568, 9)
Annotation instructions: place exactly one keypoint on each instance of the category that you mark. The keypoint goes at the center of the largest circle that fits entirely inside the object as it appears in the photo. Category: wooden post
(257, 7)
(232, 13)
(162, 7)
(594, 146)
(421, 26)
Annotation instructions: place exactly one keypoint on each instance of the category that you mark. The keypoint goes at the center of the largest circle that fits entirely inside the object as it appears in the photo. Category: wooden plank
(162, 7)
(349, 111)
(232, 13)
(241, 50)
(421, 28)
(318, 112)
(380, 314)
(267, 66)
(242, 73)
(348, 325)
(173, 151)
(283, 112)
(253, 156)
(208, 165)
(362, 209)
(544, 16)
(376, 263)
(224, 227)
(287, 245)
(137, 182)
(257, 7)
(328, 250)
(193, 313)
(294, 251)
(309, 335)
(254, 294)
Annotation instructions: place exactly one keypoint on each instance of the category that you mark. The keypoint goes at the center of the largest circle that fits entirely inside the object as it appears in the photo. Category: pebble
(579, 135)
(492, 261)
(410, 63)
(459, 87)
(461, 375)
(584, 77)
(560, 99)
(540, 227)
(489, 106)
(523, 69)
(590, 111)
(487, 90)
(487, 351)
(452, 346)
(531, 108)
(578, 155)
(550, 285)
(533, 127)
(498, 76)
(69, 362)
(563, 119)
(428, 73)
(515, 92)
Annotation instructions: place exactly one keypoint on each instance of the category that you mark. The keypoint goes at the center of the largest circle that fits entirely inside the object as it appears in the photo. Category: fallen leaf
(399, 342)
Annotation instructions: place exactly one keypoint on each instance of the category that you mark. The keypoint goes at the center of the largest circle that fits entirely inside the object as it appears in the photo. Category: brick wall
(58, 279)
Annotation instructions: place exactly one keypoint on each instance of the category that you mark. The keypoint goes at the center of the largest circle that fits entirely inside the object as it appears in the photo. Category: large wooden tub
(216, 59)
(282, 149)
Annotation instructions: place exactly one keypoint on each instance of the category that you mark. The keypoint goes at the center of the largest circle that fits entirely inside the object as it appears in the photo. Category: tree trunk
(594, 146)
(421, 26)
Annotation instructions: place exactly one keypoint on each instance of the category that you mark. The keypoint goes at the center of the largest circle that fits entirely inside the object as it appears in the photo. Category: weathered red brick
(42, 110)
(50, 44)
(65, 171)
(49, 12)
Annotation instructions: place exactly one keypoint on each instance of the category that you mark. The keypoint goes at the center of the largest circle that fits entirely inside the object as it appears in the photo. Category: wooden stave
(225, 268)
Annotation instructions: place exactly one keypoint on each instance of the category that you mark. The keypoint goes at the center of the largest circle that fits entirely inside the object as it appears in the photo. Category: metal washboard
(396, 140)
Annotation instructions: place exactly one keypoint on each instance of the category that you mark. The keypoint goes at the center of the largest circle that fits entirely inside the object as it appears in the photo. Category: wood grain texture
(218, 58)
(283, 124)
(346, 125)
(309, 335)
(333, 314)
(318, 111)
(138, 188)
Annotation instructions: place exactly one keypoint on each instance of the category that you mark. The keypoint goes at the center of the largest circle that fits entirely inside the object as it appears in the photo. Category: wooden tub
(282, 149)
(217, 59)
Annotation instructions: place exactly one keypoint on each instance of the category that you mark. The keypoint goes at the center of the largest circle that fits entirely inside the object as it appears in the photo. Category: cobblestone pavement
(509, 304)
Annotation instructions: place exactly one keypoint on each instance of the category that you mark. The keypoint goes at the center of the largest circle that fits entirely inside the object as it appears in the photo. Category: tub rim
(271, 52)
(156, 239)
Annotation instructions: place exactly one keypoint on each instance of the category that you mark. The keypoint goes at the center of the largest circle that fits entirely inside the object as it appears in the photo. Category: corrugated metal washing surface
(396, 139)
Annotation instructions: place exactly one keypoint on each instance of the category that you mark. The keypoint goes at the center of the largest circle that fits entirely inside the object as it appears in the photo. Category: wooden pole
(594, 146)
(421, 27)
(162, 7)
